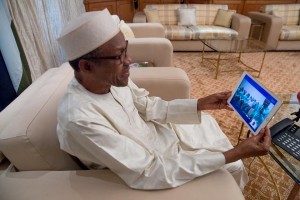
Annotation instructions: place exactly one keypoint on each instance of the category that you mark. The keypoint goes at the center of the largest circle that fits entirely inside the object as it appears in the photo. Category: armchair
(149, 41)
(38, 169)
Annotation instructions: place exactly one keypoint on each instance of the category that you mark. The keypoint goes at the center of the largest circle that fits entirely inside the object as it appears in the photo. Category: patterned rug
(280, 74)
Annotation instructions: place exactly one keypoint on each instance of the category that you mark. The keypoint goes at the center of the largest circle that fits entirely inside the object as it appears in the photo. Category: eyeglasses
(119, 58)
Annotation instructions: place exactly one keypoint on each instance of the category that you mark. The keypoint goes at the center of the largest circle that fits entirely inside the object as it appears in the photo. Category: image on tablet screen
(252, 102)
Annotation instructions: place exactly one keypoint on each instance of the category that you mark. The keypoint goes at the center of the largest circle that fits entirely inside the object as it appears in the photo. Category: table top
(236, 45)
(289, 164)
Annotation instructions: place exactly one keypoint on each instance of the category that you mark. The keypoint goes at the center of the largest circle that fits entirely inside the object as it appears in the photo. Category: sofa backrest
(206, 13)
(167, 12)
(28, 125)
(288, 12)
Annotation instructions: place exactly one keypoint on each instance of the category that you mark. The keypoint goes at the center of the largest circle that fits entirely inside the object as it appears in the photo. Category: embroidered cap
(87, 32)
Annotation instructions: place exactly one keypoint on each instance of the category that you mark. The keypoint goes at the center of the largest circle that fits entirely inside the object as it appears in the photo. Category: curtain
(39, 23)
(8, 94)
(14, 73)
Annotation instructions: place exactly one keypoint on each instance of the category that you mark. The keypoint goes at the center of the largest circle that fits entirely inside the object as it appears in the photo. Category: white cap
(87, 32)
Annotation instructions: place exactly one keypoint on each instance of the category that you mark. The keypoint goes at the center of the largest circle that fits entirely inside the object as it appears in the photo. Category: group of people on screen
(256, 110)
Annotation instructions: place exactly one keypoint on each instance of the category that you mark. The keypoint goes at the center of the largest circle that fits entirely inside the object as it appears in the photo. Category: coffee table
(234, 45)
(287, 162)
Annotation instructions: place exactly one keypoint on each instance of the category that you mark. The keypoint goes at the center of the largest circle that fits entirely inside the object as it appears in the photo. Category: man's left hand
(214, 102)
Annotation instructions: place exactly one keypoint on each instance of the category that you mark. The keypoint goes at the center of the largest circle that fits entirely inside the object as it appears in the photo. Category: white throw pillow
(187, 17)
(126, 30)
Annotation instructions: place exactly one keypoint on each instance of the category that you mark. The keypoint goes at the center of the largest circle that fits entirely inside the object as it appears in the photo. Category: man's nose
(127, 59)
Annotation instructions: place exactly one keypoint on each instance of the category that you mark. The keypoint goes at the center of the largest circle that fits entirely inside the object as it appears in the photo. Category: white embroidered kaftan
(139, 137)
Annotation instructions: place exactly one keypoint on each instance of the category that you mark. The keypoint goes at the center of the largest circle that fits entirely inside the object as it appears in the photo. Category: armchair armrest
(158, 51)
(241, 24)
(272, 27)
(166, 82)
(139, 17)
(147, 30)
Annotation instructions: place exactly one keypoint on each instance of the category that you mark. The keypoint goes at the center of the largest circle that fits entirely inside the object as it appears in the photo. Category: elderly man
(106, 121)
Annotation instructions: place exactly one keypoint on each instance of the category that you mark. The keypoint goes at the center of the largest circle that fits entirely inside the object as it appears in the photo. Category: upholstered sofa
(187, 37)
(36, 168)
(281, 29)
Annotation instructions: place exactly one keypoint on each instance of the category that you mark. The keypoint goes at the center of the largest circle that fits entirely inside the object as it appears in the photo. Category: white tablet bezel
(262, 88)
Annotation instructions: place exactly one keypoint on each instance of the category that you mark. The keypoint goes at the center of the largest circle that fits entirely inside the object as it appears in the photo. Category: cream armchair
(39, 169)
(149, 41)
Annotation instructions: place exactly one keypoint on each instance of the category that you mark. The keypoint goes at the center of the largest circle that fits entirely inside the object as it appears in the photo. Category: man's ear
(85, 66)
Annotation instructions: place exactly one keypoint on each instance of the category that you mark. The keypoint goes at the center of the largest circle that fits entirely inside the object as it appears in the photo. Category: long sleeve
(179, 111)
(137, 166)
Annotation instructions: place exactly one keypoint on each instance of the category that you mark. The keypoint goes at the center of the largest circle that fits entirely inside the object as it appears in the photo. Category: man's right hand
(257, 145)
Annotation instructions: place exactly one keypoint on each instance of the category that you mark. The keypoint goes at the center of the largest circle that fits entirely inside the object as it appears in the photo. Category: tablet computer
(253, 103)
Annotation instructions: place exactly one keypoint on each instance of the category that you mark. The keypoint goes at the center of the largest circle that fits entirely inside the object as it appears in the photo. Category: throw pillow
(187, 17)
(126, 30)
(152, 15)
(224, 18)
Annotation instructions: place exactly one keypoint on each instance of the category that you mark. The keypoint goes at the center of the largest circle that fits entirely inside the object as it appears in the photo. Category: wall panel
(125, 9)
(237, 5)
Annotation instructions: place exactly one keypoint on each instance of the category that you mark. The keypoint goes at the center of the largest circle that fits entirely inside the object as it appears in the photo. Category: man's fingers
(264, 139)
(259, 136)
(223, 95)
(267, 137)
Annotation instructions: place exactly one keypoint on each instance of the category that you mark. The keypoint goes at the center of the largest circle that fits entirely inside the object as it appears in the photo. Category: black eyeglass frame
(120, 57)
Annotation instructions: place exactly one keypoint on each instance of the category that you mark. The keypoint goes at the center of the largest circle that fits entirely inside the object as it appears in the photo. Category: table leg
(251, 31)
(218, 65)
(240, 134)
(203, 52)
(294, 192)
(272, 178)
(262, 63)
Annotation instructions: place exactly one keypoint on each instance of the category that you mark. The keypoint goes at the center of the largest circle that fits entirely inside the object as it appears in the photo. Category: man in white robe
(106, 121)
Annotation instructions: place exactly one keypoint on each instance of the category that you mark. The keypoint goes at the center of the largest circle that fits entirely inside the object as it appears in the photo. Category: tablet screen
(253, 103)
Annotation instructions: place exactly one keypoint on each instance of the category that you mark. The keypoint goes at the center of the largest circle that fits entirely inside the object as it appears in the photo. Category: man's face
(111, 64)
